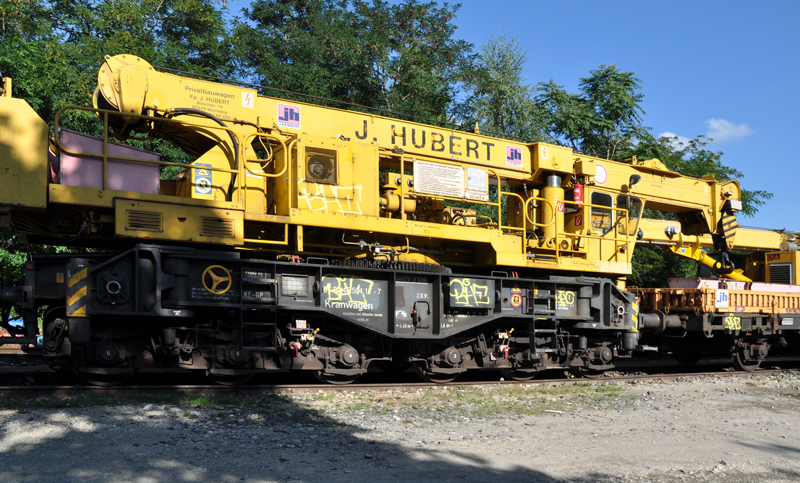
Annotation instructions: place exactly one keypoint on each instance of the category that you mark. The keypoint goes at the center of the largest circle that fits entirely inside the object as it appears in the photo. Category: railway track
(28, 386)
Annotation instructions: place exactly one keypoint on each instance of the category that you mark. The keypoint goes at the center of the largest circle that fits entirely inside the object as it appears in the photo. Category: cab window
(634, 206)
(602, 218)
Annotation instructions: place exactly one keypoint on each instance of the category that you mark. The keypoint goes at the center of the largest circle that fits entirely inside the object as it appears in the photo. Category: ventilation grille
(217, 227)
(780, 273)
(144, 220)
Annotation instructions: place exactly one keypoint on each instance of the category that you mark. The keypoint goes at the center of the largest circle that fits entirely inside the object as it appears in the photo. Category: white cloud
(721, 130)
(678, 142)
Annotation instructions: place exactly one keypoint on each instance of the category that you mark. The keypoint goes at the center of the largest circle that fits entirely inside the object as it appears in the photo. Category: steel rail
(78, 390)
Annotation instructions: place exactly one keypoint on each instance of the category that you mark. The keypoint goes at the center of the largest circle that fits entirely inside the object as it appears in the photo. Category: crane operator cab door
(628, 221)
(336, 177)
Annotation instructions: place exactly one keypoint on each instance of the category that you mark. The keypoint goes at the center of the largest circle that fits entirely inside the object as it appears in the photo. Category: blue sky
(725, 69)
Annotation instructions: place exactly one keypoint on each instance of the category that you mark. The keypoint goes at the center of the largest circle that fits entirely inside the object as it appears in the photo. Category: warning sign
(248, 99)
(578, 220)
(202, 180)
(516, 300)
(560, 206)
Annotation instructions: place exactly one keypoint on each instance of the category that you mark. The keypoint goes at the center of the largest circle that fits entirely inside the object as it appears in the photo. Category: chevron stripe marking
(77, 277)
(77, 296)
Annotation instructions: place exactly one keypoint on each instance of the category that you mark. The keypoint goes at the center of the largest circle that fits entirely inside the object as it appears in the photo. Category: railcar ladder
(259, 325)
(544, 319)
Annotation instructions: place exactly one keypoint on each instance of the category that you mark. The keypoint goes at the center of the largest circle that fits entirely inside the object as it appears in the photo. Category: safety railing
(615, 238)
(286, 150)
(527, 224)
(494, 175)
(105, 156)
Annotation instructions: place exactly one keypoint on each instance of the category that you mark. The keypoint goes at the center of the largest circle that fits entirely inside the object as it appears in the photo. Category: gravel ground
(725, 429)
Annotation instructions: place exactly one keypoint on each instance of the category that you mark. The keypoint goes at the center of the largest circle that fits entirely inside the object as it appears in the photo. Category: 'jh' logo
(288, 116)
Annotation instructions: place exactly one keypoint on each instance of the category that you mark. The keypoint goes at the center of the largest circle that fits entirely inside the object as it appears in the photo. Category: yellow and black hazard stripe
(635, 316)
(729, 226)
(77, 288)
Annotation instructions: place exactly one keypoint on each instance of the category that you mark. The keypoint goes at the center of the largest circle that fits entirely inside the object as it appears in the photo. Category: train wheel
(435, 378)
(105, 376)
(518, 376)
(229, 379)
(337, 379)
(741, 364)
(583, 372)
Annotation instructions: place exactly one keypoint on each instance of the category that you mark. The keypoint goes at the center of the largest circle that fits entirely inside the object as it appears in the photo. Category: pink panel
(712, 283)
(774, 287)
(87, 171)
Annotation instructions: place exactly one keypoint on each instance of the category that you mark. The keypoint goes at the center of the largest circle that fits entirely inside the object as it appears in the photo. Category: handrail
(493, 172)
(524, 219)
(285, 150)
(105, 156)
(559, 234)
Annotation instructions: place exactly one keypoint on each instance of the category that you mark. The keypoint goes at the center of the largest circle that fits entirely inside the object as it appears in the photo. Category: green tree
(397, 57)
(52, 48)
(500, 101)
(603, 120)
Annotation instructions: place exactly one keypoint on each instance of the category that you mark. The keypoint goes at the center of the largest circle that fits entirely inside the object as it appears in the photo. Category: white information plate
(476, 179)
(438, 179)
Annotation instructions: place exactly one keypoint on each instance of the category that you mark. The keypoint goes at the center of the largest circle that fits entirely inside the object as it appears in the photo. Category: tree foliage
(52, 48)
(603, 119)
(399, 57)
(500, 101)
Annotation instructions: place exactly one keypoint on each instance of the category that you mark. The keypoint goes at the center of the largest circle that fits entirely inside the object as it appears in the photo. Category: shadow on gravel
(776, 449)
(143, 439)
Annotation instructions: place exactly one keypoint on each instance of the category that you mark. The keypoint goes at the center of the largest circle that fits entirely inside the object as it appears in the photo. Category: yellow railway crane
(287, 176)
(544, 247)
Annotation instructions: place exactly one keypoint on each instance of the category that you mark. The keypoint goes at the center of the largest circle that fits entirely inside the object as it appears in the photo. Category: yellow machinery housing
(289, 177)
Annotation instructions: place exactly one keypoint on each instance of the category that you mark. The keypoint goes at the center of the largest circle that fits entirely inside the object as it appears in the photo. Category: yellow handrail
(105, 156)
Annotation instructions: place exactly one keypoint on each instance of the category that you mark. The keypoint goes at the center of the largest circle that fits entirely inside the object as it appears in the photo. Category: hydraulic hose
(182, 111)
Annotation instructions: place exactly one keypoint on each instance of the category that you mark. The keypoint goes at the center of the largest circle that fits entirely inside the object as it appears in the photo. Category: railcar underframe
(231, 317)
